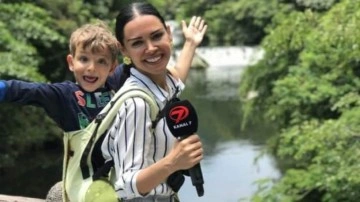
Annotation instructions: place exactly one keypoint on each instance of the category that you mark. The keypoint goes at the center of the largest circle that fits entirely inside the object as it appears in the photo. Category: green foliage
(23, 129)
(282, 47)
(22, 25)
(17, 58)
(184, 9)
(28, 23)
(326, 156)
(230, 22)
(240, 22)
(23, 29)
(308, 83)
(327, 70)
(318, 54)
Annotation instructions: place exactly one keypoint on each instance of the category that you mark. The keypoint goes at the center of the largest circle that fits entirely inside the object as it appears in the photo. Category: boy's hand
(195, 31)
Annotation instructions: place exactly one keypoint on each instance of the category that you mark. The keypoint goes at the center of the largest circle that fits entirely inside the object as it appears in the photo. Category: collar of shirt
(144, 81)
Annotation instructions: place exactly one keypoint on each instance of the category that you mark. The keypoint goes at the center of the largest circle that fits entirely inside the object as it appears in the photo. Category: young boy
(93, 61)
(92, 58)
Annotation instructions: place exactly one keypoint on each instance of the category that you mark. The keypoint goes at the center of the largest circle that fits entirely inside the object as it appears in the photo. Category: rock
(7, 198)
(199, 62)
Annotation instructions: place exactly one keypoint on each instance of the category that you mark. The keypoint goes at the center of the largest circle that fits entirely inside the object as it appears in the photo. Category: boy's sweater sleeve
(50, 97)
(47, 96)
(26, 93)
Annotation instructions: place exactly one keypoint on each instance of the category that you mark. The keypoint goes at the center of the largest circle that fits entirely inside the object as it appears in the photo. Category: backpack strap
(107, 115)
(103, 170)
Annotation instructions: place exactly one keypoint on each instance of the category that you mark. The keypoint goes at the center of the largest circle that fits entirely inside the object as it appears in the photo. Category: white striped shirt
(130, 141)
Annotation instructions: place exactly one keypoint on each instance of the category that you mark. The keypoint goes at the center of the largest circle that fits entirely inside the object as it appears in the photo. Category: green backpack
(80, 182)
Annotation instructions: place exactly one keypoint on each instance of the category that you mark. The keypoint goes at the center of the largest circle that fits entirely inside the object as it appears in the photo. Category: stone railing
(7, 198)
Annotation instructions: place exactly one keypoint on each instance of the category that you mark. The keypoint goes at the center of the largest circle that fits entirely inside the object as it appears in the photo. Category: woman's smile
(153, 59)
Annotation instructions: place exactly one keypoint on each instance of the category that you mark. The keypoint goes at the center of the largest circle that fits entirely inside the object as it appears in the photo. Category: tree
(308, 82)
(22, 26)
(240, 22)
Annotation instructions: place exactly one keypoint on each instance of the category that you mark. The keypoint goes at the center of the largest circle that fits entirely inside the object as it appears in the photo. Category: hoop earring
(126, 60)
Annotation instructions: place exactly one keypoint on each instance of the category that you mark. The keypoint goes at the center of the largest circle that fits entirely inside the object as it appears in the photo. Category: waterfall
(231, 56)
(228, 56)
(216, 56)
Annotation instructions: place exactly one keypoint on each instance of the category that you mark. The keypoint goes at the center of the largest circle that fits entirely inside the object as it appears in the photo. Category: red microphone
(182, 121)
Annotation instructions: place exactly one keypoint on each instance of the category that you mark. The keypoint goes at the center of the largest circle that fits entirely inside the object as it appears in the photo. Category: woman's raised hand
(195, 31)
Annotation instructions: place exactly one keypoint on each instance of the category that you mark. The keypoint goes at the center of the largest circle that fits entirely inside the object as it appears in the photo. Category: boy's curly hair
(97, 36)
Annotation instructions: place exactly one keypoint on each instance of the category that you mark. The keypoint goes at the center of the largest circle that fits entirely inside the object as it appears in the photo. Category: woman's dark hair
(129, 12)
(126, 14)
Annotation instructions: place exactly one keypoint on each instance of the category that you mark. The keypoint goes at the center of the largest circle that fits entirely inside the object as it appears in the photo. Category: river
(232, 160)
(229, 167)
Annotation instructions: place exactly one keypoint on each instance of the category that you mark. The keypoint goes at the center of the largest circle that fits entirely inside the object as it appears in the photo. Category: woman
(143, 159)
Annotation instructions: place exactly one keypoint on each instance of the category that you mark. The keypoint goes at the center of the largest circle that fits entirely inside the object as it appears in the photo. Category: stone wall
(7, 198)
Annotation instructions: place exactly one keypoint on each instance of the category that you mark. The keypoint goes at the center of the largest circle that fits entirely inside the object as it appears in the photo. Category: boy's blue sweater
(70, 106)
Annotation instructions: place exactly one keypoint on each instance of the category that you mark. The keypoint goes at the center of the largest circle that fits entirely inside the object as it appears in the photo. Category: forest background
(307, 84)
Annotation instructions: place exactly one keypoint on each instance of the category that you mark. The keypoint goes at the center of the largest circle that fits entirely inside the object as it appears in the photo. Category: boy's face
(91, 69)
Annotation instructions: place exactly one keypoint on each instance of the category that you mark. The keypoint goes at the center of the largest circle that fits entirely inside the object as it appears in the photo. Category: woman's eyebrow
(152, 33)
(134, 39)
